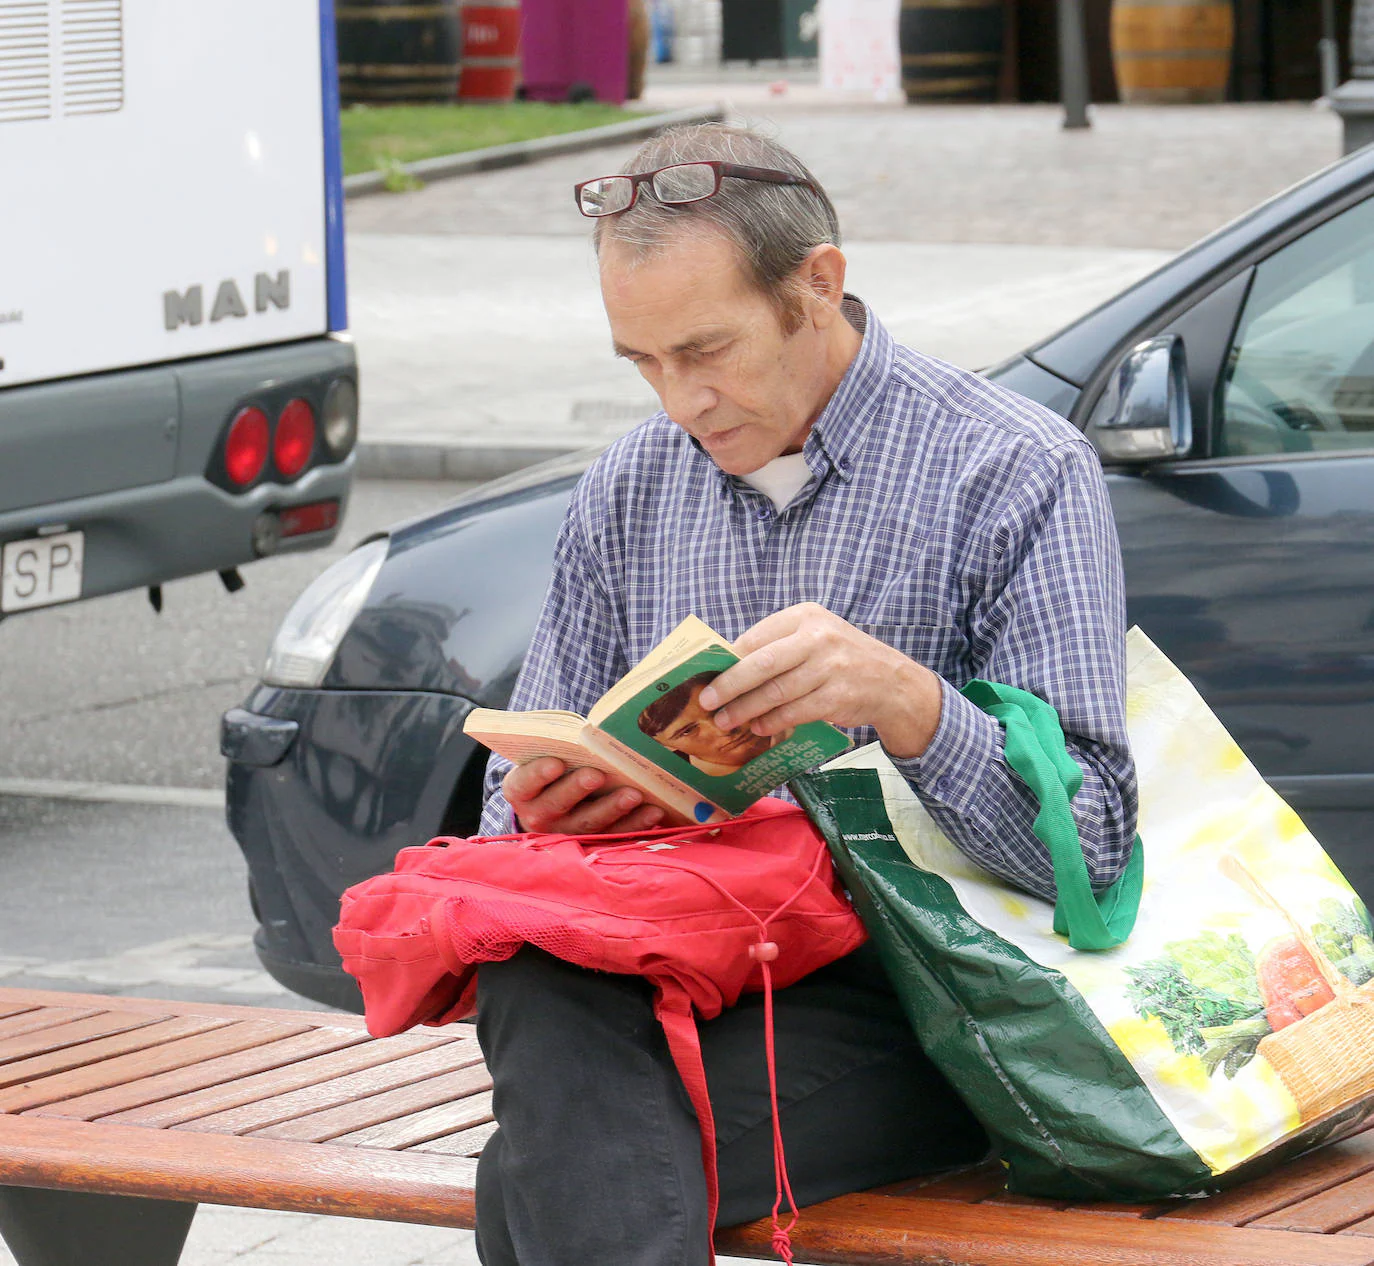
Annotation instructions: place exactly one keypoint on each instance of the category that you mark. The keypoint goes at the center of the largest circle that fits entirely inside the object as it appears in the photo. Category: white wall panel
(150, 147)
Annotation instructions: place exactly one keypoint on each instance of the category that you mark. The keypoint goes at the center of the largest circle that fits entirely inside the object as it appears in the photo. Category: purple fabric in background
(567, 42)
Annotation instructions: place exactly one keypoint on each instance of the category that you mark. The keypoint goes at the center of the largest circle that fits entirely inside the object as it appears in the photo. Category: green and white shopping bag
(1209, 1016)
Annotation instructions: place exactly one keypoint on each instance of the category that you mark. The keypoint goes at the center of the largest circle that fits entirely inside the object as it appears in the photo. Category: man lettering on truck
(874, 528)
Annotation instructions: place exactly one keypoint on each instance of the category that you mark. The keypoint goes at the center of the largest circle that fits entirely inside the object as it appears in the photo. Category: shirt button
(763, 512)
(944, 784)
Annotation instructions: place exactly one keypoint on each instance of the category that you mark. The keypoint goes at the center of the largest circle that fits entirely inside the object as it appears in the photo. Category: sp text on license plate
(41, 571)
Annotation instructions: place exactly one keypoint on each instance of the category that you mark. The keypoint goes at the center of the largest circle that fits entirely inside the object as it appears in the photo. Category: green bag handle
(1035, 750)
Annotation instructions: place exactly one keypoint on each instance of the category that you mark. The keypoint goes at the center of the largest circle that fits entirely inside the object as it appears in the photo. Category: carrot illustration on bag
(1290, 982)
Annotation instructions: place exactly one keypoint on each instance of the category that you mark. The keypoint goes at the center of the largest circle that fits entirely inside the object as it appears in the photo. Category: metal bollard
(1073, 65)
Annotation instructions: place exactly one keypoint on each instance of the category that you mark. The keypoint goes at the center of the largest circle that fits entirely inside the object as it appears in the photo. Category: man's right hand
(546, 796)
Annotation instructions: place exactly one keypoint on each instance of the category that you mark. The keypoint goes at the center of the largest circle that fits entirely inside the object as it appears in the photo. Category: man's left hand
(806, 664)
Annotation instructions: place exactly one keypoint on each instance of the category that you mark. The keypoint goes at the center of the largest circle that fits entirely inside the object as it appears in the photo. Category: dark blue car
(1231, 398)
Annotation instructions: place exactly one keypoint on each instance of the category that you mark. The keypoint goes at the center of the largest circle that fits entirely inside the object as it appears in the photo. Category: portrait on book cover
(677, 721)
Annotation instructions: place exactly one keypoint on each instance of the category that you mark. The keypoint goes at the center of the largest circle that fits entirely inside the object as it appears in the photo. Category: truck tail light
(246, 447)
(295, 439)
(339, 422)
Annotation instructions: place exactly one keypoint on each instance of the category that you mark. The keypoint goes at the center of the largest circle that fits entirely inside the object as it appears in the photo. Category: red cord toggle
(764, 951)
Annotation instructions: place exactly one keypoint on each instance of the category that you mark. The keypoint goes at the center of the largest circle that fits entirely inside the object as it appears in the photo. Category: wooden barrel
(491, 50)
(393, 52)
(951, 49)
(638, 19)
(1171, 51)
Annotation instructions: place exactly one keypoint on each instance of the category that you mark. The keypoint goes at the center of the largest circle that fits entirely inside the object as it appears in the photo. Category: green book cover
(665, 723)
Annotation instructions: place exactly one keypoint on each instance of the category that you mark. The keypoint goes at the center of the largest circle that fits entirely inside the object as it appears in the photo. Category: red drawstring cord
(764, 952)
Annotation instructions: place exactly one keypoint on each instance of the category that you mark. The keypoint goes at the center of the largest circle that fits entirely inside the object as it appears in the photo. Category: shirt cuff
(952, 768)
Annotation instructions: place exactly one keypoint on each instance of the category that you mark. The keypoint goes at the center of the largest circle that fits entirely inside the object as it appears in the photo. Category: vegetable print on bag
(1232, 1029)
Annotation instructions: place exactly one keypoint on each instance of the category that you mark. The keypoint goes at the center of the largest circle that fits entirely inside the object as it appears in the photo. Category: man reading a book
(678, 721)
(872, 528)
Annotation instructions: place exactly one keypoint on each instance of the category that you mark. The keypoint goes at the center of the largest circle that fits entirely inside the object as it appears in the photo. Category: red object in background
(580, 44)
(491, 50)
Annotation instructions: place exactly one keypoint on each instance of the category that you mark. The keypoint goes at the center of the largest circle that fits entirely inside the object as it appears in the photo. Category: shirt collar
(840, 430)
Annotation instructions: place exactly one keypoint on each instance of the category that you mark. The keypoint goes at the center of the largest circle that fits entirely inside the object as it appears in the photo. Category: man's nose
(685, 398)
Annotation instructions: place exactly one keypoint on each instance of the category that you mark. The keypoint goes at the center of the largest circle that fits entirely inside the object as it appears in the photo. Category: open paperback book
(649, 731)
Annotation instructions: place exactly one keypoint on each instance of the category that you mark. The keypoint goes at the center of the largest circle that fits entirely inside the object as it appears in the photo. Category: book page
(525, 736)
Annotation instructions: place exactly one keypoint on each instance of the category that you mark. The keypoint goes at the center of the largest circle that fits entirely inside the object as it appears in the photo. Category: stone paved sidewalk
(973, 229)
(1157, 177)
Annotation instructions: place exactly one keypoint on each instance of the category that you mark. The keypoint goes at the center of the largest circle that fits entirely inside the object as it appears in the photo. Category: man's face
(694, 733)
(713, 348)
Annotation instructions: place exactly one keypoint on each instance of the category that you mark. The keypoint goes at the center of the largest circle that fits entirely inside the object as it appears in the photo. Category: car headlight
(307, 639)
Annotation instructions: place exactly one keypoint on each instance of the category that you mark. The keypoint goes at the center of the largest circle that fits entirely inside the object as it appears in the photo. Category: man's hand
(805, 664)
(546, 796)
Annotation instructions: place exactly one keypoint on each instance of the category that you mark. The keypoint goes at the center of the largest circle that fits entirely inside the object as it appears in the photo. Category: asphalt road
(110, 691)
(131, 898)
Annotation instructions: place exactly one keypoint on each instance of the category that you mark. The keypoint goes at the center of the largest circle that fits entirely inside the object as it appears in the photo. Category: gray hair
(773, 227)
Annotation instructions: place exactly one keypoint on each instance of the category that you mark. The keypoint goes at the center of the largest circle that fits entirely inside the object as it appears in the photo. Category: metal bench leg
(79, 1228)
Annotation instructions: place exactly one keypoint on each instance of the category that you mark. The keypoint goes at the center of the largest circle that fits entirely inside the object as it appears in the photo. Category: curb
(400, 459)
(518, 152)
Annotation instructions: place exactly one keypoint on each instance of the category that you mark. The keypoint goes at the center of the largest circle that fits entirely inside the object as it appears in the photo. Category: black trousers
(598, 1157)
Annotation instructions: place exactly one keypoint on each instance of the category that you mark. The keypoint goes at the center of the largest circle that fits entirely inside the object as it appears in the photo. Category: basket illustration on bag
(1325, 1060)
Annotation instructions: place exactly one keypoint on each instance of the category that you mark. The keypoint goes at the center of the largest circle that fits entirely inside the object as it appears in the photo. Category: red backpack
(703, 913)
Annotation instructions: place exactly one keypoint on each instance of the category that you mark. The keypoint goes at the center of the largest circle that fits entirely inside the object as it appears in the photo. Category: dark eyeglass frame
(740, 172)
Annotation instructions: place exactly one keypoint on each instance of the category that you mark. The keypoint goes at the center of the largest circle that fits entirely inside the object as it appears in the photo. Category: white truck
(178, 392)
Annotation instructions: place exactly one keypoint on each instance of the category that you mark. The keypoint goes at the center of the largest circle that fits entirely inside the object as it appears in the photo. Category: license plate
(41, 571)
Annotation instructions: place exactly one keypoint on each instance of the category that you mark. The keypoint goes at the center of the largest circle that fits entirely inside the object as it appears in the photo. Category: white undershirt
(781, 479)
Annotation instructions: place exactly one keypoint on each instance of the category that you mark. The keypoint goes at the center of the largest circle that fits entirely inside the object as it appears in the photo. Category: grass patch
(381, 137)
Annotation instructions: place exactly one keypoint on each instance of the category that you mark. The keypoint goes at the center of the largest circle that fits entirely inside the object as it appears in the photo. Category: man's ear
(822, 273)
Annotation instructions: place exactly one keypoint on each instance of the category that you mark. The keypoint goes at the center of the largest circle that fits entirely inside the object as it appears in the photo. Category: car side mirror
(1144, 414)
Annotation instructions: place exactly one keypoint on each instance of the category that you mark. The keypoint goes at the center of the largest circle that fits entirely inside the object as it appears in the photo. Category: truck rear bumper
(133, 460)
(184, 526)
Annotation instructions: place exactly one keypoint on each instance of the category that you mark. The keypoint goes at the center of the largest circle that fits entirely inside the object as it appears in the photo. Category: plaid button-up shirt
(964, 525)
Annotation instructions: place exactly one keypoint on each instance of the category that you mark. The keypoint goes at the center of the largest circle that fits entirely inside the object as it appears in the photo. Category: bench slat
(45, 1096)
(464, 1143)
(1297, 1180)
(14, 1008)
(31, 998)
(257, 1174)
(424, 1126)
(71, 1034)
(262, 1113)
(273, 1082)
(144, 1091)
(964, 1185)
(1329, 1210)
(320, 1127)
(1027, 1202)
(1114, 1209)
(42, 1018)
(13, 1076)
(869, 1230)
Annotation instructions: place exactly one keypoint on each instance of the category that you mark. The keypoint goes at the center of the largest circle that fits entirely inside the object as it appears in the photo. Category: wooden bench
(119, 1115)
